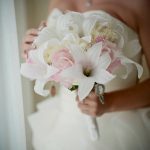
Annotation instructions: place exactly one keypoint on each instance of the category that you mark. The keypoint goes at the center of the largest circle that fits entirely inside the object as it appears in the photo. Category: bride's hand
(30, 36)
(91, 105)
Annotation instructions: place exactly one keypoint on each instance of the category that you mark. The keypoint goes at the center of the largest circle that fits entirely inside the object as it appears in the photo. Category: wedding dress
(58, 123)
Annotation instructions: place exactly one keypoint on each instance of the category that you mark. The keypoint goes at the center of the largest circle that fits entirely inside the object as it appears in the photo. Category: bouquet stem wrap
(92, 127)
(91, 121)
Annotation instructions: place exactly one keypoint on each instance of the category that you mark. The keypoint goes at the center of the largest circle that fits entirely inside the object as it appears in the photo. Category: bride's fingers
(90, 112)
(84, 108)
(92, 95)
(29, 39)
(42, 25)
(26, 49)
(89, 107)
(86, 112)
(91, 103)
(33, 32)
(53, 91)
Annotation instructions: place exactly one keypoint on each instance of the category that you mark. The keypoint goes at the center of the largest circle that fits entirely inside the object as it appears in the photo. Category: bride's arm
(131, 98)
(139, 95)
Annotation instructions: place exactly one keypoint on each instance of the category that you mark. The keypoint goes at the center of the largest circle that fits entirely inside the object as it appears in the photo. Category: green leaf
(74, 87)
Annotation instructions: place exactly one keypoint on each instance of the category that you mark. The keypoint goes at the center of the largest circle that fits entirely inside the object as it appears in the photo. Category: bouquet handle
(91, 121)
(92, 127)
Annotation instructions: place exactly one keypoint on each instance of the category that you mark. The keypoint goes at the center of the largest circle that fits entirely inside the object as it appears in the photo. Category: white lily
(38, 70)
(89, 68)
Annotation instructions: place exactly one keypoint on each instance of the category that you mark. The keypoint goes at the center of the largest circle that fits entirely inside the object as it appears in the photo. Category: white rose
(69, 23)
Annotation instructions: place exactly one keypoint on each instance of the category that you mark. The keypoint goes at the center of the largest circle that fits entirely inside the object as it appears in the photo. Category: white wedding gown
(58, 124)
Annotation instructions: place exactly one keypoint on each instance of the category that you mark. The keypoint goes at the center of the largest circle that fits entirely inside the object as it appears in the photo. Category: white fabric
(59, 125)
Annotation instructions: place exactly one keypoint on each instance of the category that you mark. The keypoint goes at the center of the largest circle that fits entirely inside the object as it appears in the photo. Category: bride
(124, 119)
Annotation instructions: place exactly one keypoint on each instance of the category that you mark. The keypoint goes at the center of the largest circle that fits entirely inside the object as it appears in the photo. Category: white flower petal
(85, 86)
(128, 68)
(53, 41)
(39, 88)
(70, 39)
(125, 60)
(33, 71)
(118, 27)
(94, 53)
(73, 72)
(33, 55)
(77, 53)
(77, 18)
(44, 47)
(50, 71)
(102, 76)
(44, 35)
(104, 61)
(87, 38)
(51, 21)
(69, 23)
(88, 25)
(122, 40)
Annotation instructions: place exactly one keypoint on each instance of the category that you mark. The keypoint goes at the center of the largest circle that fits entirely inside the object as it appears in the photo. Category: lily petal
(102, 76)
(50, 71)
(104, 61)
(33, 55)
(73, 72)
(85, 86)
(94, 53)
(125, 60)
(32, 71)
(39, 87)
(77, 53)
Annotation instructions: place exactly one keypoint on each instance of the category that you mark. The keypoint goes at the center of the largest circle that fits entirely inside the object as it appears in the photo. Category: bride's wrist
(109, 105)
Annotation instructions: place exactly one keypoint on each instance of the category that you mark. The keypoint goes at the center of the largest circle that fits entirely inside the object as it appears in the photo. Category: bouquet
(79, 51)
